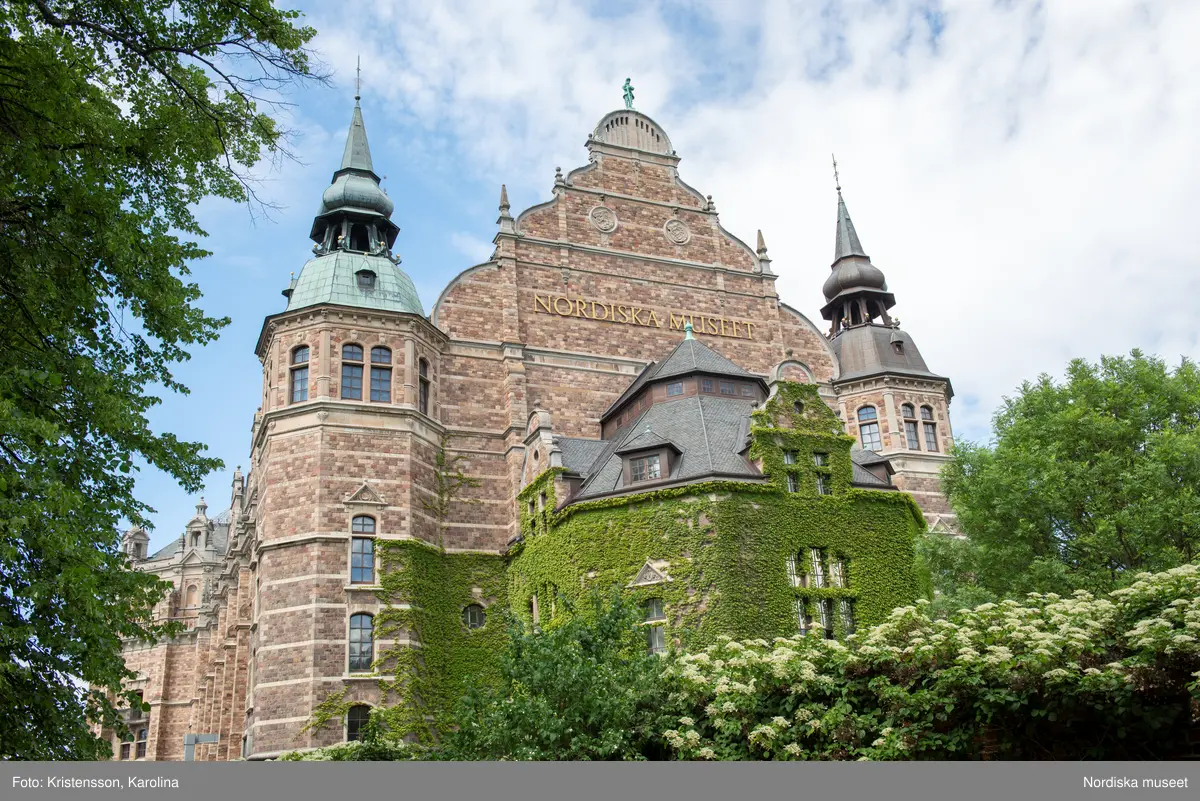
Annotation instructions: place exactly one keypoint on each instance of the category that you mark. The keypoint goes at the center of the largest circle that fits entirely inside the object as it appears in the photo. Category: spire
(847, 243)
(357, 155)
(504, 207)
(687, 330)
(505, 220)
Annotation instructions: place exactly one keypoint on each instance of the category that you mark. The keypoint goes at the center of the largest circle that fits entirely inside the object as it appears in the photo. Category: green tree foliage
(1078, 677)
(586, 689)
(1088, 482)
(116, 118)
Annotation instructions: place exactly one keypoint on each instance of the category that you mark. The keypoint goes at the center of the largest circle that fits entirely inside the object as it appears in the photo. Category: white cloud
(1025, 173)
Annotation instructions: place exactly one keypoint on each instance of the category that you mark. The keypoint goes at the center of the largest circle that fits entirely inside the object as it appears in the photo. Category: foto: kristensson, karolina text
(78, 783)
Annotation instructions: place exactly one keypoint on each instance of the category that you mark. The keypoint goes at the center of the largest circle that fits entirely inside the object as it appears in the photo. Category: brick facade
(581, 293)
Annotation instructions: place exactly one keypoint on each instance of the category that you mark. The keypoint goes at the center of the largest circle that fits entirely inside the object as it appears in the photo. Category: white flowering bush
(1050, 677)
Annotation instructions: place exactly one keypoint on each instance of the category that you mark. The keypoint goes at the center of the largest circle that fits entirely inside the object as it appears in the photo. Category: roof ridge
(704, 431)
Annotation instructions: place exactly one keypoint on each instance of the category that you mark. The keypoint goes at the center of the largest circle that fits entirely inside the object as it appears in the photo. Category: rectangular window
(706, 385)
(656, 639)
(931, 437)
(789, 457)
(728, 388)
(869, 432)
(423, 396)
(817, 560)
(300, 384)
(803, 619)
(644, 468)
(793, 483)
(141, 749)
(827, 618)
(381, 384)
(835, 573)
(124, 751)
(793, 575)
(747, 391)
(362, 560)
(352, 381)
(847, 615)
(822, 485)
(654, 610)
(910, 434)
(532, 510)
(675, 388)
(821, 459)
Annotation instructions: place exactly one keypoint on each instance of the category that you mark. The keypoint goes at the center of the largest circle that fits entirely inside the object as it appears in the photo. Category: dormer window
(645, 468)
(675, 388)
(366, 280)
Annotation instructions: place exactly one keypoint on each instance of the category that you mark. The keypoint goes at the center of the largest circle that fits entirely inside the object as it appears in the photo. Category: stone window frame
(346, 719)
(466, 615)
(929, 428)
(352, 613)
(381, 366)
(351, 362)
(424, 385)
(656, 626)
(296, 368)
(869, 424)
(373, 580)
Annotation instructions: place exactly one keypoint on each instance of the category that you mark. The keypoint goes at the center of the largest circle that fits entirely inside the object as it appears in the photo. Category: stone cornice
(328, 405)
(325, 312)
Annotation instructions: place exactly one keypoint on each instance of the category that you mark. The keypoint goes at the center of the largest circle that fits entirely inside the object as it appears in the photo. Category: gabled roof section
(689, 356)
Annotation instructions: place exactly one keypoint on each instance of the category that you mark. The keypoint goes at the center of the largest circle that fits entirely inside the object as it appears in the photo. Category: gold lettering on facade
(604, 311)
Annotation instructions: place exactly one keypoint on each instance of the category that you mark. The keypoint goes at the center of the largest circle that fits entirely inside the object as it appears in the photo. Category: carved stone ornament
(677, 232)
(322, 415)
(648, 576)
(604, 218)
(365, 494)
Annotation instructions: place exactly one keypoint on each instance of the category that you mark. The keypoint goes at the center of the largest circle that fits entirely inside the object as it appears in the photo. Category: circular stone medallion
(677, 232)
(604, 218)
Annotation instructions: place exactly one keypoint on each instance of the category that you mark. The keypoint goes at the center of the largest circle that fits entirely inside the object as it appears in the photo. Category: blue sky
(1024, 173)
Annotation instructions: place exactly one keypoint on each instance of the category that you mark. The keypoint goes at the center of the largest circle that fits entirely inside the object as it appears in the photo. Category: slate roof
(866, 350)
(860, 459)
(689, 356)
(708, 430)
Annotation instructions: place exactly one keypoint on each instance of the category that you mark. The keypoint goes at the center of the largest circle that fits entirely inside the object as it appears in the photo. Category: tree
(116, 117)
(586, 688)
(1088, 482)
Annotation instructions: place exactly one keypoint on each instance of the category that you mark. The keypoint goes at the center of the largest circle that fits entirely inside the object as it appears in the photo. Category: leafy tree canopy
(116, 118)
(1088, 481)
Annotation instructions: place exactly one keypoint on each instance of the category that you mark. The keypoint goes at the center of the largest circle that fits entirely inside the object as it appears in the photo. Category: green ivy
(728, 542)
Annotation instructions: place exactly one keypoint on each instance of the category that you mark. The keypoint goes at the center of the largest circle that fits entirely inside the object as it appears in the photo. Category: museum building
(618, 396)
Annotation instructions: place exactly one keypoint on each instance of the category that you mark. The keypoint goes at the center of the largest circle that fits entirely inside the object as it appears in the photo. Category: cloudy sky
(1025, 173)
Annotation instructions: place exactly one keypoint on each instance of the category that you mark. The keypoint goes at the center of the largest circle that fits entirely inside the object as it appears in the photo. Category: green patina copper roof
(333, 278)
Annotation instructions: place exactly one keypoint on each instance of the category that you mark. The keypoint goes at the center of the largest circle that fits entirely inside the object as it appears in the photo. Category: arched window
(381, 375)
(299, 378)
(474, 617)
(356, 722)
(363, 524)
(931, 438)
(352, 372)
(192, 596)
(362, 644)
(423, 388)
(868, 428)
(910, 427)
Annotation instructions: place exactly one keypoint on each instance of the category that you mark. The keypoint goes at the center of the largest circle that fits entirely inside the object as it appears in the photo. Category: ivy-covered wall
(724, 546)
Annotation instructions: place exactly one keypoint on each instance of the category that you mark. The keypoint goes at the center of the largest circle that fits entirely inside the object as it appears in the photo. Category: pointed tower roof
(357, 155)
(847, 243)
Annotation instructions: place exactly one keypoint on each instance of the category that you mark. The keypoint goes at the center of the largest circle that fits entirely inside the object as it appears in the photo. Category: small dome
(853, 273)
(629, 128)
(355, 191)
(335, 278)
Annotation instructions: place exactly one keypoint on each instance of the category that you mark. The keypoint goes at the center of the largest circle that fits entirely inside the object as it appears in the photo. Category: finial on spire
(687, 330)
(628, 91)
(504, 207)
(358, 80)
(762, 244)
(837, 182)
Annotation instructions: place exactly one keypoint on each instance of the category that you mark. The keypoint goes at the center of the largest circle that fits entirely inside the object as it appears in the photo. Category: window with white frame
(868, 428)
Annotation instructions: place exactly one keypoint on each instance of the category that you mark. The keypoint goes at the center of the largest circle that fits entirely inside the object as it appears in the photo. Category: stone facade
(581, 293)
